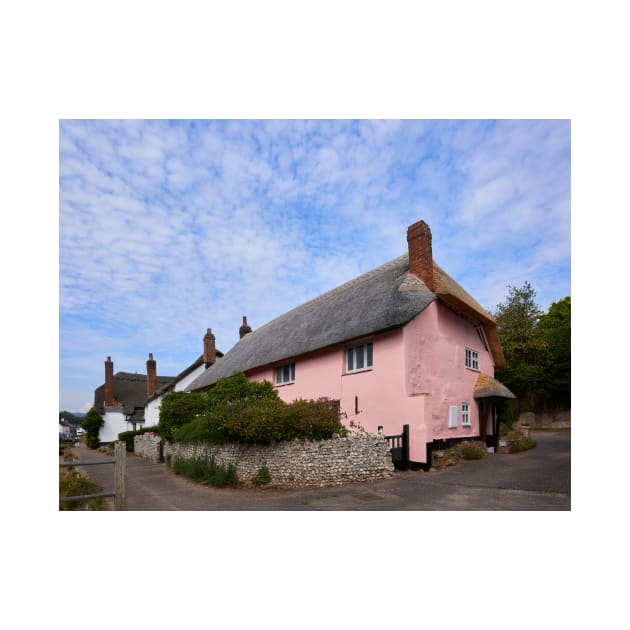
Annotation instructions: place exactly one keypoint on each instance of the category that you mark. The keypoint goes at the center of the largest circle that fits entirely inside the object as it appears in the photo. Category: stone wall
(549, 420)
(292, 464)
(147, 446)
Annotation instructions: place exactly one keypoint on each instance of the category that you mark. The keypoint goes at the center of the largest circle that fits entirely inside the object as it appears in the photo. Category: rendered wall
(418, 372)
(378, 393)
(115, 423)
(435, 352)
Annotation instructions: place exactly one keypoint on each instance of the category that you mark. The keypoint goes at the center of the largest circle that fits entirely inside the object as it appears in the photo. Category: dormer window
(482, 336)
(359, 358)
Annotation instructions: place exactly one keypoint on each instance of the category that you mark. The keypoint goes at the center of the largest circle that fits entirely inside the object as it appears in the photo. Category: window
(472, 359)
(452, 416)
(285, 374)
(465, 415)
(359, 358)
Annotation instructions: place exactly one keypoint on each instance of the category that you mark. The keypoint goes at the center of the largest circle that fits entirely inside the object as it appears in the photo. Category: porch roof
(488, 387)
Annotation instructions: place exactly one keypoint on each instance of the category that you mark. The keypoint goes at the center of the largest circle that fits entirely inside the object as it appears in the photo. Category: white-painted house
(130, 401)
(182, 380)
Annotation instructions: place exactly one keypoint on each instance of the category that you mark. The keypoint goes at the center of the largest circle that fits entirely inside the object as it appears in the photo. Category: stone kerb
(357, 457)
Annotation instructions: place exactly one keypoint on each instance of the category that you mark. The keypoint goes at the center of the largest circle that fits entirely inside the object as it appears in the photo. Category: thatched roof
(384, 298)
(488, 387)
(130, 390)
(455, 296)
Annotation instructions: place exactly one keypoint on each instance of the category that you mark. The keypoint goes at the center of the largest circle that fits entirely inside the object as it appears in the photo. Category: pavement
(538, 479)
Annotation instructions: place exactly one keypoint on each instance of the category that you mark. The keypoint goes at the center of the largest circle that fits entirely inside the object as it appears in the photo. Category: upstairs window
(359, 358)
(285, 374)
(472, 359)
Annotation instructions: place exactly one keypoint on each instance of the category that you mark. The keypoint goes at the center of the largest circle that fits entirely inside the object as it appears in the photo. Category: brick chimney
(419, 241)
(244, 329)
(151, 376)
(109, 401)
(209, 348)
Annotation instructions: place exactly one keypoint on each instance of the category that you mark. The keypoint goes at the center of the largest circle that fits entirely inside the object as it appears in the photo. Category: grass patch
(206, 470)
(72, 484)
(522, 444)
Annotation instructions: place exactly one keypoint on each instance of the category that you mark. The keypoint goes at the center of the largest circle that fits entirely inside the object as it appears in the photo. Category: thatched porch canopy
(488, 387)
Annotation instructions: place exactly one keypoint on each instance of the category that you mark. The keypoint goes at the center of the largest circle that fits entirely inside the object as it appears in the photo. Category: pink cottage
(400, 346)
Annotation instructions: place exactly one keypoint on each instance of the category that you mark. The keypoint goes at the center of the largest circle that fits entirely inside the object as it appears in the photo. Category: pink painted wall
(380, 391)
(435, 353)
(418, 372)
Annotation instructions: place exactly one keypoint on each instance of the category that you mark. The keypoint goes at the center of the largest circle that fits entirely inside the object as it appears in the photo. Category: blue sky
(168, 227)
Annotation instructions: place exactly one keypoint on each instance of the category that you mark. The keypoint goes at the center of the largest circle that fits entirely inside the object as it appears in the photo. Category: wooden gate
(399, 445)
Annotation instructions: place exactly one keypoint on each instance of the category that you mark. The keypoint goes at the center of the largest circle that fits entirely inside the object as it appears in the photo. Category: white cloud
(169, 229)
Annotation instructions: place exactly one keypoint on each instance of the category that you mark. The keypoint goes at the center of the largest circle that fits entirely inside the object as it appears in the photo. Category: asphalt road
(538, 479)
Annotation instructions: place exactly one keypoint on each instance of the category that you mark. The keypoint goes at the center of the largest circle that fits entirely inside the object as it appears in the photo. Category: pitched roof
(488, 387)
(130, 389)
(455, 296)
(384, 298)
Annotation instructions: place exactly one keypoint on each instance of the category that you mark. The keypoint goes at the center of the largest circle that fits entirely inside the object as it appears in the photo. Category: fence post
(120, 472)
(405, 445)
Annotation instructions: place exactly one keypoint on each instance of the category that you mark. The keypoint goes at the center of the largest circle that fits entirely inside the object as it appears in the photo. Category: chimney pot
(151, 376)
(419, 242)
(244, 329)
(209, 348)
(109, 401)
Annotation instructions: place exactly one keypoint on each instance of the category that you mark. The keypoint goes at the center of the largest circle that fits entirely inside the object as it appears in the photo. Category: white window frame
(466, 414)
(472, 359)
(453, 414)
(279, 374)
(350, 357)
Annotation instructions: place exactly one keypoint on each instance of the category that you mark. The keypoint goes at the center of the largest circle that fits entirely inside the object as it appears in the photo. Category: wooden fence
(120, 478)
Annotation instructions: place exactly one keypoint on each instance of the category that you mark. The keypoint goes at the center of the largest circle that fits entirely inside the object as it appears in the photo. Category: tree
(517, 319)
(70, 417)
(92, 424)
(537, 348)
(554, 331)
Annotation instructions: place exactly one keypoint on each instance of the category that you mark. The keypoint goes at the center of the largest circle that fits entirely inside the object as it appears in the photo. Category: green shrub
(72, 484)
(312, 419)
(262, 477)
(237, 388)
(473, 450)
(262, 421)
(206, 470)
(522, 444)
(178, 408)
(92, 424)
